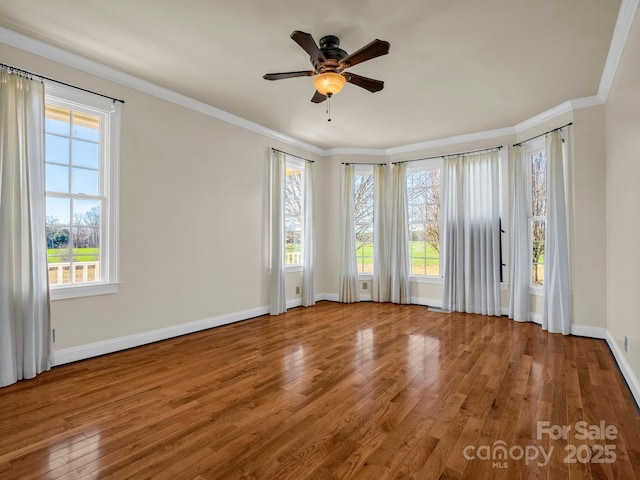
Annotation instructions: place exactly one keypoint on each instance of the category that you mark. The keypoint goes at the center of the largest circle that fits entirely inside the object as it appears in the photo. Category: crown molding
(455, 140)
(626, 16)
(73, 60)
(372, 152)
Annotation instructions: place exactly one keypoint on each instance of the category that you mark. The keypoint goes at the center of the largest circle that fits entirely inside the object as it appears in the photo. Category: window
(423, 200)
(363, 218)
(538, 209)
(294, 212)
(81, 160)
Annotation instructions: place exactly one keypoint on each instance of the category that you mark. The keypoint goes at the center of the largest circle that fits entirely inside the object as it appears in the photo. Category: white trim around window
(109, 113)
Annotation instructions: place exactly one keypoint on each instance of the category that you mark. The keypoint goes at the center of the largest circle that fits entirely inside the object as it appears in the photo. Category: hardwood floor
(364, 391)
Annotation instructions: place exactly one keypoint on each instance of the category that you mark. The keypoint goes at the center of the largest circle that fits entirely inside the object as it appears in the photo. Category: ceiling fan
(329, 62)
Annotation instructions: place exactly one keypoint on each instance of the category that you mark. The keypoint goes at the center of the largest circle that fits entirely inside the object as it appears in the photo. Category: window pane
(363, 199)
(538, 230)
(85, 270)
(57, 178)
(58, 211)
(86, 126)
(537, 277)
(433, 258)
(87, 212)
(85, 154)
(433, 178)
(57, 120)
(85, 181)
(432, 233)
(56, 149)
(433, 209)
(293, 192)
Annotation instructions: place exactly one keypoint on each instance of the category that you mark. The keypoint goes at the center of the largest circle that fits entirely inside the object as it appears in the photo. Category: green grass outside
(424, 258)
(61, 255)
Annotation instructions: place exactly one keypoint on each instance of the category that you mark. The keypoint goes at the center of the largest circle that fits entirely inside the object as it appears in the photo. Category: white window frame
(298, 164)
(424, 165)
(533, 146)
(109, 113)
(368, 171)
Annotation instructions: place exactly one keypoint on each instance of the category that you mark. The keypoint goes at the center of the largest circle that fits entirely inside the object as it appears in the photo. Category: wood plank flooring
(364, 391)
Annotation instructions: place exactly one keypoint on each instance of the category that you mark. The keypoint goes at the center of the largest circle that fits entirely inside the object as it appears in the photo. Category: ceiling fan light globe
(329, 83)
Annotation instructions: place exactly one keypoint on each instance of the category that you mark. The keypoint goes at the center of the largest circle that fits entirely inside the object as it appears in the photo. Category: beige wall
(193, 217)
(190, 183)
(622, 125)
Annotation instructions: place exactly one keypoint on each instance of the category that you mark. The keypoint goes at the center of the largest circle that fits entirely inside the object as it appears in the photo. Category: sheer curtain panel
(520, 268)
(278, 295)
(308, 289)
(381, 280)
(556, 314)
(26, 347)
(399, 245)
(348, 288)
(471, 233)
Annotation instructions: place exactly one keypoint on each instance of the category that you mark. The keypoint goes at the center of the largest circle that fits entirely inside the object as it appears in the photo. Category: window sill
(293, 268)
(363, 277)
(425, 279)
(76, 291)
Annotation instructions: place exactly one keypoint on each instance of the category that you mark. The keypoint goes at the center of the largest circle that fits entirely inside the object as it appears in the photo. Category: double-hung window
(537, 156)
(294, 212)
(81, 163)
(363, 217)
(423, 200)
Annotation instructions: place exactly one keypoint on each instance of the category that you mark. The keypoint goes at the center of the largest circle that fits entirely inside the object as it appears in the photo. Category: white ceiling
(455, 66)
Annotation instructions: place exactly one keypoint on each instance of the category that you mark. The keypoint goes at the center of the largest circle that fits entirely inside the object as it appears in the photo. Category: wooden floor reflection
(364, 391)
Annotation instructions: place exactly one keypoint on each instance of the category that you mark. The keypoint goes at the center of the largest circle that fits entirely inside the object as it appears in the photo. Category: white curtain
(381, 280)
(278, 295)
(556, 315)
(348, 288)
(520, 266)
(471, 233)
(308, 290)
(26, 347)
(399, 245)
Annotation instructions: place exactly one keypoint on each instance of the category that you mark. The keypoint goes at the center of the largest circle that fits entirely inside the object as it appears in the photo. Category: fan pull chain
(329, 108)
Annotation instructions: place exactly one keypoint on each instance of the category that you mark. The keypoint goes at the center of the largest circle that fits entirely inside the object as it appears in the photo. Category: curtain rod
(11, 68)
(449, 155)
(542, 134)
(292, 155)
(360, 163)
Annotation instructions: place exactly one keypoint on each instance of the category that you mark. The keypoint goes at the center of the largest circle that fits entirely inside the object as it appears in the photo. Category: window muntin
(294, 213)
(538, 212)
(363, 221)
(75, 198)
(81, 175)
(423, 200)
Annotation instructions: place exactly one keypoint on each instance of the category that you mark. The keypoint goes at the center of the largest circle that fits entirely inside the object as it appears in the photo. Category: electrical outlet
(365, 285)
(297, 290)
(626, 344)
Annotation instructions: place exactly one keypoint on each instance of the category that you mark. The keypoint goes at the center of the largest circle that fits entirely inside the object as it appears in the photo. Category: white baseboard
(429, 302)
(625, 368)
(296, 302)
(82, 352)
(587, 331)
(331, 297)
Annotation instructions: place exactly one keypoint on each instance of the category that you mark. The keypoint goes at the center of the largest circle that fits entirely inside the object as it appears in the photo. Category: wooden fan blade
(309, 45)
(367, 83)
(373, 50)
(318, 97)
(280, 76)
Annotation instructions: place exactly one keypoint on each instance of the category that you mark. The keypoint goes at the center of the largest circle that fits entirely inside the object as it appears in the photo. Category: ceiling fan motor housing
(330, 47)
